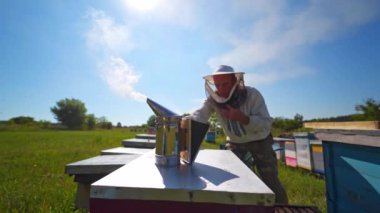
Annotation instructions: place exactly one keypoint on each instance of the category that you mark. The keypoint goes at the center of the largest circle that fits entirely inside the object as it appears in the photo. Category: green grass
(303, 187)
(32, 166)
(32, 163)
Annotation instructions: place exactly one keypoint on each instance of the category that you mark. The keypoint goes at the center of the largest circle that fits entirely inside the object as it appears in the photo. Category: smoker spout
(159, 110)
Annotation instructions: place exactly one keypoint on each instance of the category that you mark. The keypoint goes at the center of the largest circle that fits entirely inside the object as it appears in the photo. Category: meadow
(32, 163)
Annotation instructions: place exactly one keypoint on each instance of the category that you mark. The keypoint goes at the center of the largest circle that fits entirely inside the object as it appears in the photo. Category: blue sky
(317, 58)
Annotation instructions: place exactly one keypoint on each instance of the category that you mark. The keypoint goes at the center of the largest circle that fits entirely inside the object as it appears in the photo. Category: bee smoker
(178, 138)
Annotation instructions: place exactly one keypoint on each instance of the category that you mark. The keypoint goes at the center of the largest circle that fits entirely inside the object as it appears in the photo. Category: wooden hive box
(290, 154)
(303, 150)
(217, 181)
(317, 156)
(279, 147)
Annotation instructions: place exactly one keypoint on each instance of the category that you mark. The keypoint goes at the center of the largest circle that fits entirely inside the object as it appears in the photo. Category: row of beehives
(303, 151)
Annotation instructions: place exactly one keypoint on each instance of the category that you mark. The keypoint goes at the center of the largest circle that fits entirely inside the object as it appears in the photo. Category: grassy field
(32, 166)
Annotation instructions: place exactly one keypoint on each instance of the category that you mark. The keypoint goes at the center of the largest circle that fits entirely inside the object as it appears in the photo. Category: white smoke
(121, 77)
(107, 39)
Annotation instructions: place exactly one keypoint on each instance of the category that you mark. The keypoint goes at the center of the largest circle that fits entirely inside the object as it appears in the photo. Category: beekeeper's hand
(234, 114)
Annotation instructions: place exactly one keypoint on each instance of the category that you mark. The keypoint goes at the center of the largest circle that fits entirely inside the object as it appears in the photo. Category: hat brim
(210, 77)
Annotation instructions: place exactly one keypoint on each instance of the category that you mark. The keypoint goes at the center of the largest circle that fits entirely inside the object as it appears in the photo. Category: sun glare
(142, 5)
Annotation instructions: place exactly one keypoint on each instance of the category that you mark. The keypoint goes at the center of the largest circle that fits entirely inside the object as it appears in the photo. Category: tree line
(369, 111)
(72, 114)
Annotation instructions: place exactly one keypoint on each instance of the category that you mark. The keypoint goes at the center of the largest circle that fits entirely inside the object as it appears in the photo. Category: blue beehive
(211, 136)
(352, 169)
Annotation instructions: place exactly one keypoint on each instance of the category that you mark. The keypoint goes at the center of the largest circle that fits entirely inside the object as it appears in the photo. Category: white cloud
(121, 77)
(275, 35)
(272, 76)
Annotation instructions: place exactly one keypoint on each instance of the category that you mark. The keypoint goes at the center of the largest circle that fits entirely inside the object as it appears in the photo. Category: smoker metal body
(167, 140)
(177, 138)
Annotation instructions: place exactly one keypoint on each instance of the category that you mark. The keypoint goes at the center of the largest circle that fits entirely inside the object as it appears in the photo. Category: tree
(70, 112)
(118, 125)
(44, 124)
(22, 120)
(104, 123)
(91, 121)
(151, 121)
(371, 109)
(288, 125)
(298, 119)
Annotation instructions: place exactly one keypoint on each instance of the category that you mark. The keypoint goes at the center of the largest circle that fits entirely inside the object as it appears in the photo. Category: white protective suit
(260, 122)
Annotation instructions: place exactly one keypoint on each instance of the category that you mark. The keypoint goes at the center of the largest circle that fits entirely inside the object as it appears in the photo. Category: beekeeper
(244, 117)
